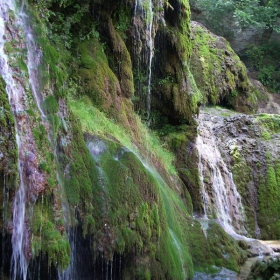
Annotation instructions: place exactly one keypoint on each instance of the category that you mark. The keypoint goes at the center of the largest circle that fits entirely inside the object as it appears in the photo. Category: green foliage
(255, 13)
(259, 14)
(123, 20)
(264, 59)
(216, 14)
(40, 135)
(255, 55)
(148, 12)
(168, 79)
(62, 24)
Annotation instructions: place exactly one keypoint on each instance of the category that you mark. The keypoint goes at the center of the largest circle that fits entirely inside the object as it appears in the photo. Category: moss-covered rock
(9, 176)
(265, 269)
(8, 148)
(219, 73)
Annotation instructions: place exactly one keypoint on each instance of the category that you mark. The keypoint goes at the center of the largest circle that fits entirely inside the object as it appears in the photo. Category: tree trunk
(266, 35)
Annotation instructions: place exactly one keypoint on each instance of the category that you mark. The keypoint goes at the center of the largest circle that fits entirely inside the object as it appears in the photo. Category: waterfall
(71, 272)
(151, 47)
(34, 56)
(21, 87)
(205, 197)
(19, 238)
(220, 196)
(146, 9)
(15, 92)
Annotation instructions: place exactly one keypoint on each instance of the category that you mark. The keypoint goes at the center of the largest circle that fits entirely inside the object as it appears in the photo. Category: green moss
(136, 212)
(48, 236)
(121, 63)
(55, 123)
(88, 225)
(83, 173)
(214, 248)
(94, 121)
(97, 79)
(268, 197)
(40, 135)
(270, 123)
(8, 147)
(122, 19)
(220, 75)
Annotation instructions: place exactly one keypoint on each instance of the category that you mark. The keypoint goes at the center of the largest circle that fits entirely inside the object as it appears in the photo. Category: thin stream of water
(151, 54)
(179, 250)
(147, 12)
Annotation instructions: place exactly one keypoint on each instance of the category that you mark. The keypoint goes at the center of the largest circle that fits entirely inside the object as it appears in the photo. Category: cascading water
(146, 9)
(19, 238)
(34, 56)
(220, 196)
(179, 249)
(151, 46)
(15, 92)
(19, 86)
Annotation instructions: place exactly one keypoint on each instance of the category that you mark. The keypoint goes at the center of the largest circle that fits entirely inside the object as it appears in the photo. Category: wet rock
(31, 157)
(240, 141)
(265, 269)
(29, 171)
(222, 274)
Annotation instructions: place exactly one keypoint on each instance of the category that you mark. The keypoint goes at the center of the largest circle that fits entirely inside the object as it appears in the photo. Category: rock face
(219, 74)
(249, 146)
(272, 105)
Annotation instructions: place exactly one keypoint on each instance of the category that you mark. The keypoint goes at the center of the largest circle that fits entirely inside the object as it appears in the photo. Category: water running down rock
(220, 197)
